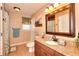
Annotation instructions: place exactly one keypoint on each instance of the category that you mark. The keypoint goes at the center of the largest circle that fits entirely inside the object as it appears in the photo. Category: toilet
(30, 45)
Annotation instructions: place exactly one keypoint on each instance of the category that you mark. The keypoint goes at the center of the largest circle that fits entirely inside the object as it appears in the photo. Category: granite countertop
(65, 50)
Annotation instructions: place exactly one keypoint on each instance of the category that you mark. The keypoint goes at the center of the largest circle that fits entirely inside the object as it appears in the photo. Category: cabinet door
(49, 51)
(58, 54)
(37, 50)
(42, 50)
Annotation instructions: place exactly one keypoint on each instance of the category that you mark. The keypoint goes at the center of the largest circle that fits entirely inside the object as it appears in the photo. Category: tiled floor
(22, 50)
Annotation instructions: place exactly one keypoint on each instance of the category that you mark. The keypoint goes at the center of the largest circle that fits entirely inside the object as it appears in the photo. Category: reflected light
(56, 4)
(46, 10)
(50, 7)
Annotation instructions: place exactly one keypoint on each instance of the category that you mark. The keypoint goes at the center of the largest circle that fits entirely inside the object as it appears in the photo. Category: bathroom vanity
(42, 50)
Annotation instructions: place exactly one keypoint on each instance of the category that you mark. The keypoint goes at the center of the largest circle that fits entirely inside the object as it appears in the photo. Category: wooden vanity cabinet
(42, 50)
(58, 54)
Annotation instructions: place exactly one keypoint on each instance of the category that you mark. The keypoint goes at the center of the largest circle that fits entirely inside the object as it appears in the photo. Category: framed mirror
(62, 21)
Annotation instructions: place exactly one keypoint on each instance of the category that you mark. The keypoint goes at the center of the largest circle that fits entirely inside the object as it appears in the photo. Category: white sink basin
(51, 43)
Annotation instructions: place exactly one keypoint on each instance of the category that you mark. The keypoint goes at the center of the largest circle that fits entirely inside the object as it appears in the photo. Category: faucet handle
(50, 38)
(54, 38)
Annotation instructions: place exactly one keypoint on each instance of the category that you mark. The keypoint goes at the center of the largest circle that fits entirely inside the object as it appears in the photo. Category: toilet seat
(30, 44)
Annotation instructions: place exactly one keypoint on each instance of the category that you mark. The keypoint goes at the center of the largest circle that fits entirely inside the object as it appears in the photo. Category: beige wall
(16, 22)
(42, 29)
(40, 15)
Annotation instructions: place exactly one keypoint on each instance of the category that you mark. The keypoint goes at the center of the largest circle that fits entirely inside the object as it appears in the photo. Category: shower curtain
(1, 51)
(6, 33)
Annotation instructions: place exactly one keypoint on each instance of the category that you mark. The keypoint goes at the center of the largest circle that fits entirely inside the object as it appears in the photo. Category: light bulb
(50, 8)
(17, 9)
(56, 4)
(46, 10)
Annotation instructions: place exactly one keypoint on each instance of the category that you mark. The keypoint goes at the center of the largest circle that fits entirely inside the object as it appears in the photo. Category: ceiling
(27, 9)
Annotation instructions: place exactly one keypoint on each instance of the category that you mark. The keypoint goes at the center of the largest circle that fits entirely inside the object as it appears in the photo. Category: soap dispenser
(43, 34)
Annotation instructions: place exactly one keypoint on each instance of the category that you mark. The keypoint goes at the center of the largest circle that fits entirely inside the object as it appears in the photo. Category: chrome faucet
(54, 38)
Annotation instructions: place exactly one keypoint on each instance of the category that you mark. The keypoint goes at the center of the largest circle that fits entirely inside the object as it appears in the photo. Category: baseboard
(1, 52)
(1, 55)
(13, 48)
(18, 44)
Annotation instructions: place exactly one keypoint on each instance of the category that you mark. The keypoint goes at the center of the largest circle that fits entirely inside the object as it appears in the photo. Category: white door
(1, 50)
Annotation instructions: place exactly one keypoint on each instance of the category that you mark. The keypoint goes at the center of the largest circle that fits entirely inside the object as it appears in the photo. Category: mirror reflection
(63, 21)
(51, 24)
(59, 22)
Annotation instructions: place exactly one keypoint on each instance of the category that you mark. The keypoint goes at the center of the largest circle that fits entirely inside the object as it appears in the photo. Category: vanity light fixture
(17, 9)
(50, 8)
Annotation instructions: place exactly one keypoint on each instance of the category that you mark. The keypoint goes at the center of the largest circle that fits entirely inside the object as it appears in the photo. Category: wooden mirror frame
(71, 22)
